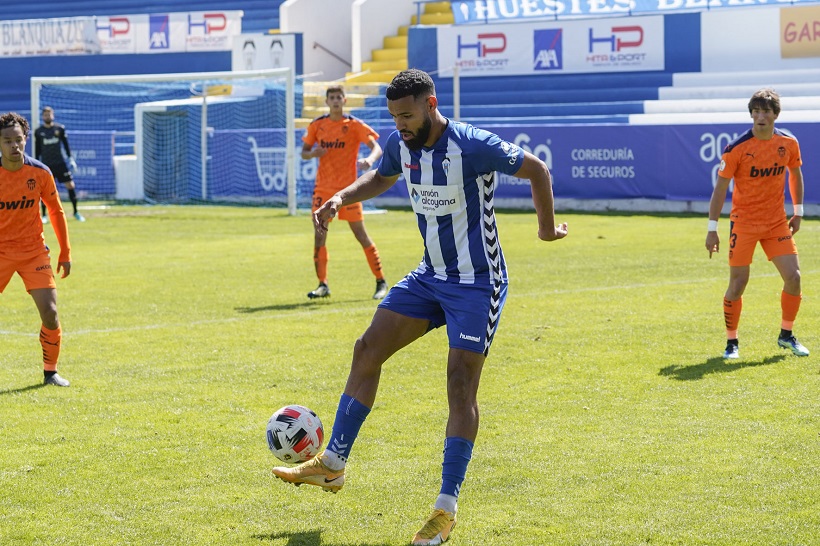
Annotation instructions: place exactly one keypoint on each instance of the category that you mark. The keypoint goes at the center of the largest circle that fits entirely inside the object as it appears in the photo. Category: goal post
(194, 137)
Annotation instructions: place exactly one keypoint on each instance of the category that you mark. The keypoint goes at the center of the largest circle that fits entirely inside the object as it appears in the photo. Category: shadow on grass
(309, 304)
(23, 389)
(714, 365)
(310, 538)
(283, 307)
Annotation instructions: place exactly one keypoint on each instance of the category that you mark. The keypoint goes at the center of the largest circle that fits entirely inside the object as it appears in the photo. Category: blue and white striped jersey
(451, 187)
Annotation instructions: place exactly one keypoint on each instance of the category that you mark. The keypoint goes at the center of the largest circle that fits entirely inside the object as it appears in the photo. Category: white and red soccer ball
(295, 434)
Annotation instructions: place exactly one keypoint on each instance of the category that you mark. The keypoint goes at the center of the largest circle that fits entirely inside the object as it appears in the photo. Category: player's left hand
(559, 232)
(72, 164)
(65, 267)
(712, 242)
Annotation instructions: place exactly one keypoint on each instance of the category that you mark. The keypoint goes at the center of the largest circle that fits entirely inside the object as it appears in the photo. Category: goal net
(195, 137)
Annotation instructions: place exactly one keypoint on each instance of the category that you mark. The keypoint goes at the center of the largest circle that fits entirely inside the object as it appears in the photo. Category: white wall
(326, 22)
(741, 39)
(372, 21)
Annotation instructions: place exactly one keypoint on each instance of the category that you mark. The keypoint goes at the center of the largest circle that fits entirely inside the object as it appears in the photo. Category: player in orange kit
(758, 160)
(24, 181)
(335, 139)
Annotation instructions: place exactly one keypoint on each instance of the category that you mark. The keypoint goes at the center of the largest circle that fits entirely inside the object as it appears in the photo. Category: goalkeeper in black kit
(48, 139)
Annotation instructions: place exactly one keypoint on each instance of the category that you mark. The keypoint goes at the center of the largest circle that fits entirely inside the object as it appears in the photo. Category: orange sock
(374, 261)
(320, 258)
(50, 341)
(789, 305)
(731, 314)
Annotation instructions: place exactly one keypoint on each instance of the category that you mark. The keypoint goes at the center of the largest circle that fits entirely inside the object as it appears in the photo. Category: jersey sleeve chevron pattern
(452, 187)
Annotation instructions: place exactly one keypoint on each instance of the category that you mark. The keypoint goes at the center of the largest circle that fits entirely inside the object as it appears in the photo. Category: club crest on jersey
(781, 151)
(31, 184)
(446, 165)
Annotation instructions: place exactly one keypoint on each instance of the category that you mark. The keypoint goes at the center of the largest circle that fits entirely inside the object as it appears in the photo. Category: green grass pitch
(607, 416)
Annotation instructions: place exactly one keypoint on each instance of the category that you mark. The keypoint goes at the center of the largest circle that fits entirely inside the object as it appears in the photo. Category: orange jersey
(759, 169)
(21, 228)
(341, 139)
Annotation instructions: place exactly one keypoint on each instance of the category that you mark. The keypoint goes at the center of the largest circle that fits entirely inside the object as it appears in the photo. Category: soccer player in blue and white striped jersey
(461, 282)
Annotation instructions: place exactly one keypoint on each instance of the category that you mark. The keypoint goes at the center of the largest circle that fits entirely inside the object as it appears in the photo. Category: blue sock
(350, 417)
(457, 453)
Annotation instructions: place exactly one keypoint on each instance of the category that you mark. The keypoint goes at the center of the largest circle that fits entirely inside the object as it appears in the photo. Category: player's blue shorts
(470, 311)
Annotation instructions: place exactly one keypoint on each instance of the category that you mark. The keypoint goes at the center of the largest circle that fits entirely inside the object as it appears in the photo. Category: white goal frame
(285, 74)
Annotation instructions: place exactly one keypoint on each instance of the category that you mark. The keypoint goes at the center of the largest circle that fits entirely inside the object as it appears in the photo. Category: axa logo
(619, 38)
(774, 170)
(548, 50)
(158, 28)
(22, 203)
(117, 26)
(211, 22)
(487, 43)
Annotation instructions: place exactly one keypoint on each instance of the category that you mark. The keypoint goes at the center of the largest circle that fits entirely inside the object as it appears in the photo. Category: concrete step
(370, 77)
(392, 54)
(435, 19)
(384, 66)
(438, 7)
(395, 42)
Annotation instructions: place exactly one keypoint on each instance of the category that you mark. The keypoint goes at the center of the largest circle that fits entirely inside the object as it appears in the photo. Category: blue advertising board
(670, 162)
(666, 162)
(94, 153)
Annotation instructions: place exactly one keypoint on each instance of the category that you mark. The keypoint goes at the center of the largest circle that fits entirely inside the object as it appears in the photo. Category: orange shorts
(775, 240)
(351, 213)
(34, 268)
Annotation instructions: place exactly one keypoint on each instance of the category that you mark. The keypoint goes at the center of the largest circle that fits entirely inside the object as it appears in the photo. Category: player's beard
(420, 137)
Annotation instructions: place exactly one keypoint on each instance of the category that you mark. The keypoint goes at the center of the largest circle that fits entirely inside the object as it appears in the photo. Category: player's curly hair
(11, 119)
(412, 82)
(765, 98)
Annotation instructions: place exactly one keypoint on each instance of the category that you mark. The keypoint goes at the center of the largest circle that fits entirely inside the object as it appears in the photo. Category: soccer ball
(295, 434)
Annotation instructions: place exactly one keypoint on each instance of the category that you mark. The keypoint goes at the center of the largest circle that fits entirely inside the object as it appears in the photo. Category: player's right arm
(310, 139)
(370, 184)
(309, 152)
(715, 207)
